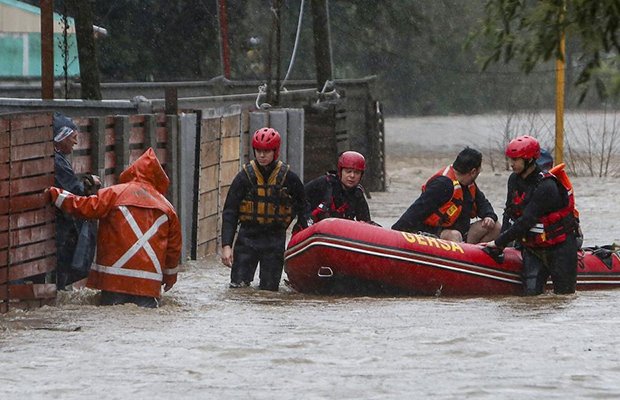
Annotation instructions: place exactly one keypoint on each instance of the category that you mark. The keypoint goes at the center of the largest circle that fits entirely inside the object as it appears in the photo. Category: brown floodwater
(207, 341)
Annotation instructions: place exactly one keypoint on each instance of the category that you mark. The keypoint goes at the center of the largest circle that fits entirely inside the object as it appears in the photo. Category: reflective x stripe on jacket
(139, 232)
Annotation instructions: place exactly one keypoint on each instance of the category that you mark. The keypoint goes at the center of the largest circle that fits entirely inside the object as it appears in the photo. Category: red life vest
(447, 214)
(553, 227)
(328, 209)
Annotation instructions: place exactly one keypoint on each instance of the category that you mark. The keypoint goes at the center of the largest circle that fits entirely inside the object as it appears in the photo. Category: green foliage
(529, 33)
(416, 48)
(153, 39)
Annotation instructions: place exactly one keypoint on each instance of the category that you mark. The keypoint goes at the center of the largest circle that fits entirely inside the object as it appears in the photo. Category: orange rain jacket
(139, 240)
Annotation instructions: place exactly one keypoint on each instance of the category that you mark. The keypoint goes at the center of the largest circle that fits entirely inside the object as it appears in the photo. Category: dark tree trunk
(89, 69)
(47, 50)
(322, 56)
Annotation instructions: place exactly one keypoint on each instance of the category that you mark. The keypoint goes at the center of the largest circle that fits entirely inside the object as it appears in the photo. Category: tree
(415, 48)
(529, 33)
(87, 52)
(158, 40)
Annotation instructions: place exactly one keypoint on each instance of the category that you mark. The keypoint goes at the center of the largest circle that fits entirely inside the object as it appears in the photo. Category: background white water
(207, 341)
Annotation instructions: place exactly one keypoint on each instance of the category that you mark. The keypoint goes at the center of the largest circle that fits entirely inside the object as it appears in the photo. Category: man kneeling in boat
(540, 213)
(339, 194)
(449, 200)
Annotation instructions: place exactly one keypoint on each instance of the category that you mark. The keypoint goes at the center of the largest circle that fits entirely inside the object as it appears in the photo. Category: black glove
(90, 187)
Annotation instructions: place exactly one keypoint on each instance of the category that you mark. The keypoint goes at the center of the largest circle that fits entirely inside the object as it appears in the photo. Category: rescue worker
(139, 234)
(449, 200)
(540, 214)
(545, 161)
(339, 194)
(71, 266)
(264, 198)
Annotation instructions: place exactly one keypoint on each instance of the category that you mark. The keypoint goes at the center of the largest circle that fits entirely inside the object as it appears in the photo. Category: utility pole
(87, 54)
(322, 55)
(47, 50)
(278, 4)
(224, 35)
(273, 93)
(560, 83)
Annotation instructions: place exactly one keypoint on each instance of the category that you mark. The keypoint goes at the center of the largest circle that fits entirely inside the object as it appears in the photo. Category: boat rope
(262, 90)
(323, 94)
(290, 65)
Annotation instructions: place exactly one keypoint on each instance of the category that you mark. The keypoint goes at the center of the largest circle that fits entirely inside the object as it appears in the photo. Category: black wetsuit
(328, 190)
(539, 197)
(438, 192)
(259, 243)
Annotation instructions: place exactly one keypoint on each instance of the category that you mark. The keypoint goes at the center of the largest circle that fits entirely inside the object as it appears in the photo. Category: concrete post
(150, 131)
(295, 148)
(172, 158)
(121, 143)
(98, 146)
(278, 121)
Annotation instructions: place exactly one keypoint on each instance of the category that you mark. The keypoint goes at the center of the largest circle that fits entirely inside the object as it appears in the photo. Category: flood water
(207, 341)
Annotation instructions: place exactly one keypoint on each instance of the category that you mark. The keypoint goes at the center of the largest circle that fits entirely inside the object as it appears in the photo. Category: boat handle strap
(325, 272)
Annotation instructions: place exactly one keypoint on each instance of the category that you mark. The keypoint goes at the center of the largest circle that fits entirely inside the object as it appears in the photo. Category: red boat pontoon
(342, 256)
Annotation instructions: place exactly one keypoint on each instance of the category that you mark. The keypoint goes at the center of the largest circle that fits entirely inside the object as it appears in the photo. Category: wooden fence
(106, 146)
(220, 139)
(321, 146)
(27, 228)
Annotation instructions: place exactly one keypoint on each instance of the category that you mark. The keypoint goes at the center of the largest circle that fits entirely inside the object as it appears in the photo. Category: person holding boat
(540, 215)
(264, 198)
(449, 200)
(339, 194)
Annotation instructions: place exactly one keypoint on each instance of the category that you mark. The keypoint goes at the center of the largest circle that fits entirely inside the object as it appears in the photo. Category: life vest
(139, 237)
(552, 228)
(447, 214)
(328, 209)
(559, 172)
(267, 203)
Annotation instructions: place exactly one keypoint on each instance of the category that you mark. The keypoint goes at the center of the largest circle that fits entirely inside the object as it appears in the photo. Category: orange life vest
(447, 214)
(558, 172)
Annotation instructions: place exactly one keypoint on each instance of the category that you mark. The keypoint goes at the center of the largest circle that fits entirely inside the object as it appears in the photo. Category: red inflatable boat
(342, 256)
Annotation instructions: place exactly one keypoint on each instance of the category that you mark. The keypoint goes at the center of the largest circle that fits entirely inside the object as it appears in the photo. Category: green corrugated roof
(30, 8)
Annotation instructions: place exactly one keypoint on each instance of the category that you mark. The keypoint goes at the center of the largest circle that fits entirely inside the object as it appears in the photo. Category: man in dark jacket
(264, 198)
(449, 200)
(69, 230)
(340, 195)
(540, 216)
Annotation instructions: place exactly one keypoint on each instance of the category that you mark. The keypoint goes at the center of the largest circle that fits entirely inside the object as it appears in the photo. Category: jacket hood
(147, 169)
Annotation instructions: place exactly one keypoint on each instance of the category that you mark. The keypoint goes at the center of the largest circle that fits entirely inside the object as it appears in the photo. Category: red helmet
(523, 146)
(352, 159)
(267, 139)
